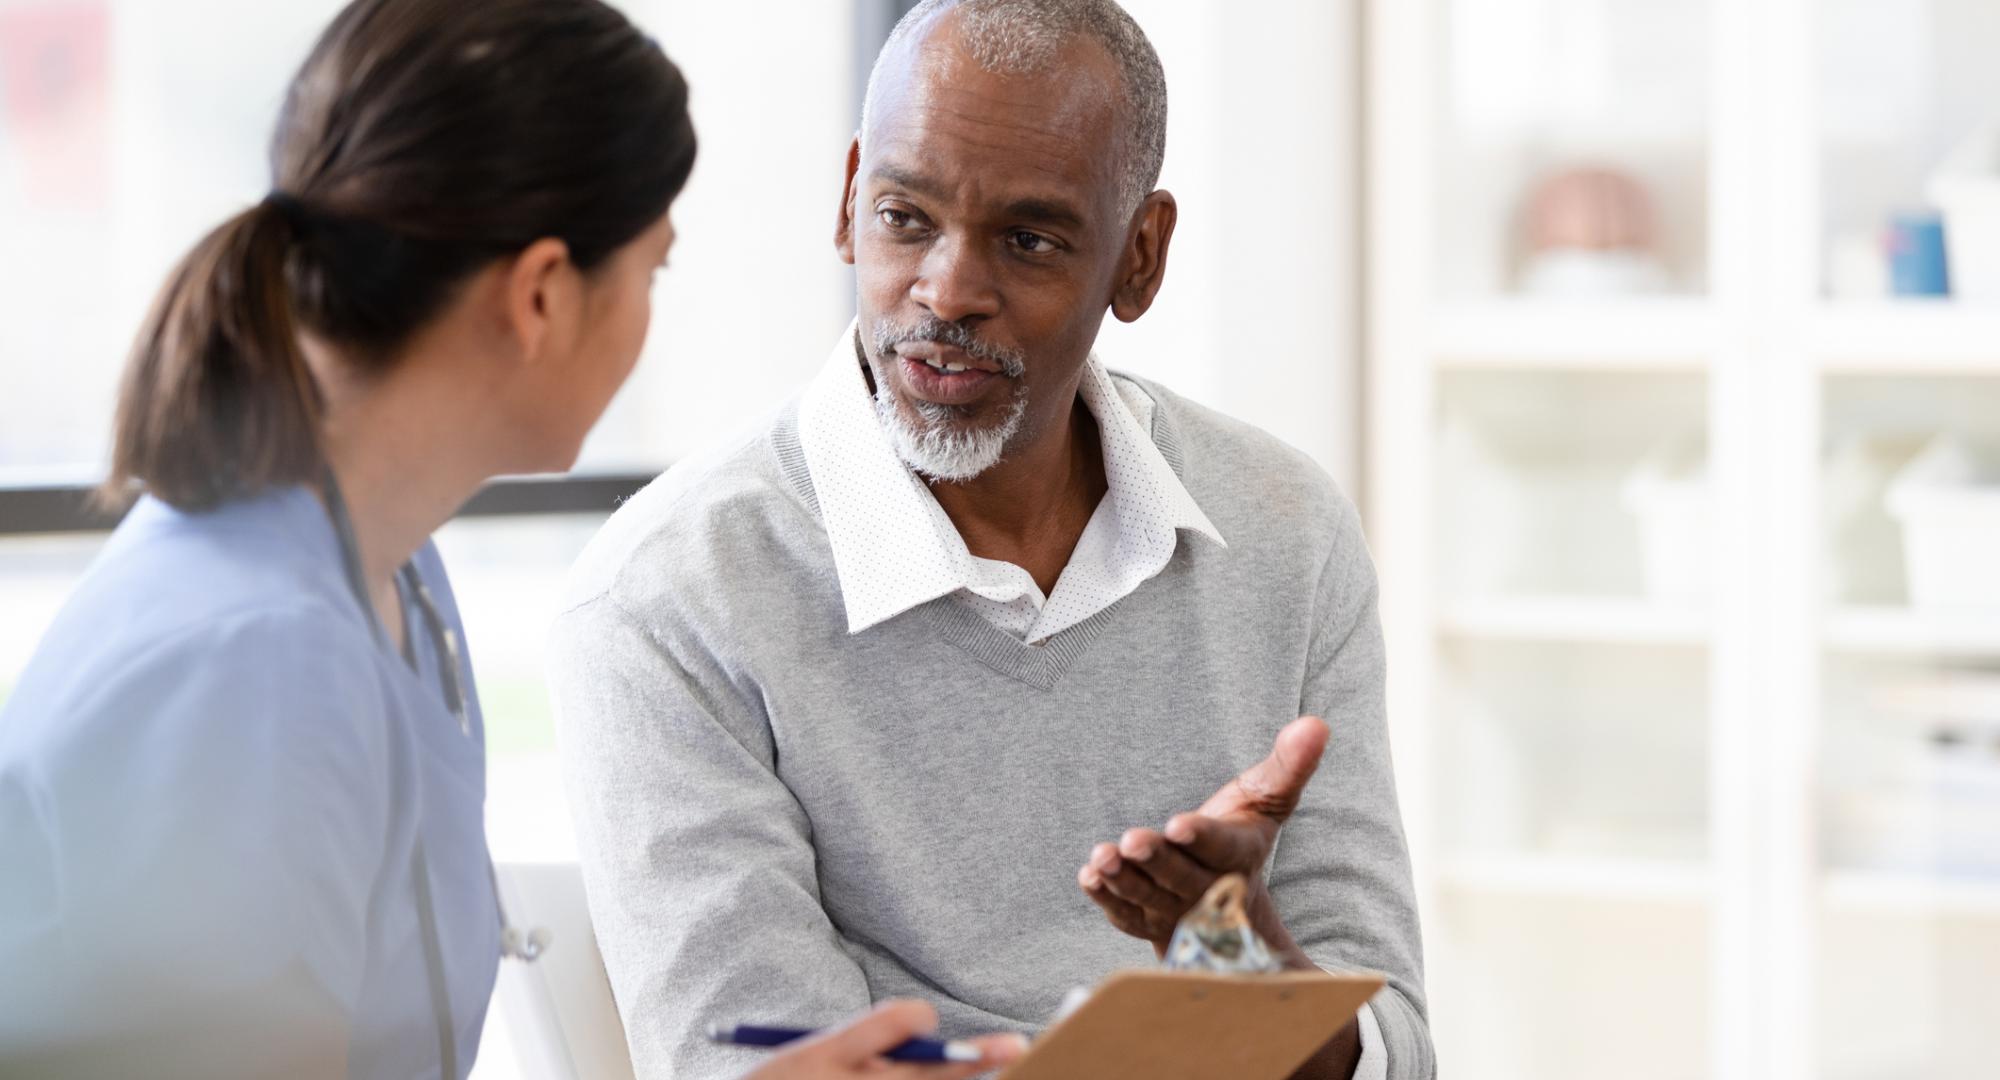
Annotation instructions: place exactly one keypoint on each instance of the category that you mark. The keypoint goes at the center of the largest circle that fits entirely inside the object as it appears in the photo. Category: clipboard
(1156, 1025)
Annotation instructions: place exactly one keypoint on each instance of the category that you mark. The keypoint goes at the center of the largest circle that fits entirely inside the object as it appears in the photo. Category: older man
(847, 703)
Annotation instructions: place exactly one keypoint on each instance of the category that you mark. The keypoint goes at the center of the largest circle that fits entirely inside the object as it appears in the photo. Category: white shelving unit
(1655, 335)
(1912, 894)
(1652, 881)
(1899, 631)
(1908, 338)
(1574, 620)
(1743, 700)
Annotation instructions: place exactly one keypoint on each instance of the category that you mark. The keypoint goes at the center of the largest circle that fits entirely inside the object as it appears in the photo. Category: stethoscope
(445, 643)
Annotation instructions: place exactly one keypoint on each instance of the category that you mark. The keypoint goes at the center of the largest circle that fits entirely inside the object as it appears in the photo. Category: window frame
(43, 509)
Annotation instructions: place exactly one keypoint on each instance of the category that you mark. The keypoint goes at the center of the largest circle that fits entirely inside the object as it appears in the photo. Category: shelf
(1904, 631)
(1579, 876)
(1909, 893)
(1646, 335)
(1935, 337)
(1572, 620)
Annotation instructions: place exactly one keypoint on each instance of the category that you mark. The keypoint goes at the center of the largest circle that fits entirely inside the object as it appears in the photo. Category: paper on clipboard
(1158, 1025)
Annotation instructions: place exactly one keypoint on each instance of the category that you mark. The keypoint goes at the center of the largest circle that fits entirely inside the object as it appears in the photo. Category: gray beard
(931, 445)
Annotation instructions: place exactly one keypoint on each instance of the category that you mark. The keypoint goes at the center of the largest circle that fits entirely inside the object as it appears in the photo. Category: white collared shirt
(895, 548)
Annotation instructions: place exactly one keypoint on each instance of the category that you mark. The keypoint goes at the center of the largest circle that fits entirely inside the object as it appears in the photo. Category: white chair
(558, 1009)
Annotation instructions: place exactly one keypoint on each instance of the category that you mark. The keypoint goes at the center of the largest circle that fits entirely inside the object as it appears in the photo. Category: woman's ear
(543, 298)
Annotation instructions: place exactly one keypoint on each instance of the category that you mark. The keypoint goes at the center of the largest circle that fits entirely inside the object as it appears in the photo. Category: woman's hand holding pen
(856, 1050)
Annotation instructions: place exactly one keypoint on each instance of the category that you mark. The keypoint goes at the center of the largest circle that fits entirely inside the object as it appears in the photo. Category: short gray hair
(1024, 37)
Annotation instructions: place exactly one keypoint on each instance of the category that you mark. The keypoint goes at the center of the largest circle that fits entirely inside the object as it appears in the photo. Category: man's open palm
(1149, 879)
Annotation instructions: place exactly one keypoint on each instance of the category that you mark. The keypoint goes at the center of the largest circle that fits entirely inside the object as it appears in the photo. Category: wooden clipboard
(1158, 1025)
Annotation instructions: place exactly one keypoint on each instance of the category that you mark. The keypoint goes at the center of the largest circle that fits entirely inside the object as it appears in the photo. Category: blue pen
(931, 1050)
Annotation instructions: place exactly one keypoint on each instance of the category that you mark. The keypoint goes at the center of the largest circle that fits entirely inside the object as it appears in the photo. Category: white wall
(754, 294)
(1259, 316)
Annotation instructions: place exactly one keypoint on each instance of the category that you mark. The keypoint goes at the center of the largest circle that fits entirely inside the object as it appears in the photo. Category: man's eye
(1033, 243)
(893, 218)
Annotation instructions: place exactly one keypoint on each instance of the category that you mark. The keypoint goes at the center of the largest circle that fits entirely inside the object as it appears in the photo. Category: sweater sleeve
(698, 861)
(1341, 871)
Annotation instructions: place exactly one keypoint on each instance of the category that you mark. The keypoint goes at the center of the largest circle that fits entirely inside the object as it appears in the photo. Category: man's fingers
(1219, 846)
(890, 1025)
(1134, 886)
(1272, 786)
(1170, 867)
(1126, 918)
(1233, 830)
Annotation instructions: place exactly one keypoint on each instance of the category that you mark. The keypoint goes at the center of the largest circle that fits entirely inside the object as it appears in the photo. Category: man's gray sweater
(782, 822)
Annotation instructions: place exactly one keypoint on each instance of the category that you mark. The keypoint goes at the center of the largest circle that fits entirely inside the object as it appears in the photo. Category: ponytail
(217, 401)
(420, 141)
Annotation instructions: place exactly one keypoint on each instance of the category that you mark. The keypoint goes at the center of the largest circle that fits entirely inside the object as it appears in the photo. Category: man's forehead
(949, 141)
(942, 113)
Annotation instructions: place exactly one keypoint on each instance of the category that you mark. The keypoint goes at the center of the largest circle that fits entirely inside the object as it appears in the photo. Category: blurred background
(1659, 341)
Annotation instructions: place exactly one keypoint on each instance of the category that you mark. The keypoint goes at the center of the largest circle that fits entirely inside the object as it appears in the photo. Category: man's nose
(956, 282)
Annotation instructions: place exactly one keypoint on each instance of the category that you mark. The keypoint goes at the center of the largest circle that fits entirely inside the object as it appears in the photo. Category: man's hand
(1151, 878)
(856, 1050)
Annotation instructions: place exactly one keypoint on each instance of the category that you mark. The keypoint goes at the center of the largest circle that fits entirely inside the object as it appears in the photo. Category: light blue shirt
(214, 782)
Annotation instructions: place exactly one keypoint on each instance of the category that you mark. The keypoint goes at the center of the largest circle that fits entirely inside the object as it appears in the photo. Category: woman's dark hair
(421, 140)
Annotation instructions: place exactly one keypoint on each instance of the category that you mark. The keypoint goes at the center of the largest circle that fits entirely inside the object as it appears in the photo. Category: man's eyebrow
(906, 178)
(1045, 211)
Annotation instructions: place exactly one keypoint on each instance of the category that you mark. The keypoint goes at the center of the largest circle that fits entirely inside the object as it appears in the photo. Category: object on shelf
(1864, 548)
(1916, 249)
(1669, 493)
(1961, 706)
(1489, 502)
(1528, 469)
(1967, 187)
(1952, 830)
(1947, 500)
(1857, 266)
(1922, 788)
(1590, 234)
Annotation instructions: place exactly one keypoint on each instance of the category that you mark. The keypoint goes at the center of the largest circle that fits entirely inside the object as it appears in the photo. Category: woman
(241, 780)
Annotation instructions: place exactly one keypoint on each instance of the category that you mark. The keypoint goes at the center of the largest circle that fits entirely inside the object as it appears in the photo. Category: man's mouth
(944, 375)
(945, 359)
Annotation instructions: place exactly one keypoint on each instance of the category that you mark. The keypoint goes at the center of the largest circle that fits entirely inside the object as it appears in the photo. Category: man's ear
(542, 296)
(1144, 267)
(843, 230)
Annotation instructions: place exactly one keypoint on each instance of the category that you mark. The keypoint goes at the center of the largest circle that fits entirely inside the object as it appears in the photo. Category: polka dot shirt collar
(894, 547)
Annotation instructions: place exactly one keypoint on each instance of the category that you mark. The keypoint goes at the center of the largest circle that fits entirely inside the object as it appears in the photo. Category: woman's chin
(548, 461)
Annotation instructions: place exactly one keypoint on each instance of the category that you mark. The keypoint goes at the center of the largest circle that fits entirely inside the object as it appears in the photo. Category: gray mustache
(933, 329)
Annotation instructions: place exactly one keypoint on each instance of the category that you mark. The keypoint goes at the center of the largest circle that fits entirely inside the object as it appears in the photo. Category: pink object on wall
(55, 100)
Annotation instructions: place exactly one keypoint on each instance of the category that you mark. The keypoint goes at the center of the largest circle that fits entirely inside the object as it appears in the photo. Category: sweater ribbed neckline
(1040, 666)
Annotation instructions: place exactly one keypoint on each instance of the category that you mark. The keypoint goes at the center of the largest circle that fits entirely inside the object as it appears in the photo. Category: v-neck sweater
(783, 821)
